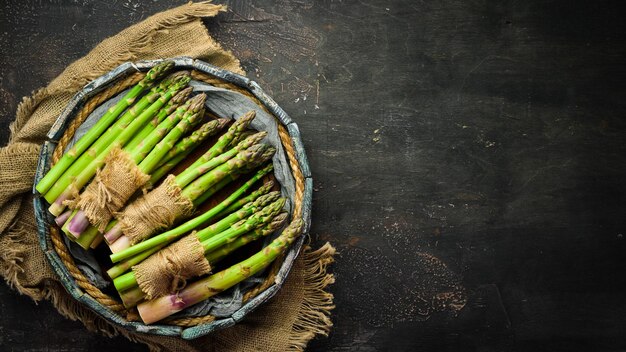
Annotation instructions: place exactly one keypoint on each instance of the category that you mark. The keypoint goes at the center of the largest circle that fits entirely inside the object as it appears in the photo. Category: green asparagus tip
(193, 118)
(266, 187)
(267, 169)
(267, 154)
(266, 199)
(181, 96)
(222, 123)
(278, 221)
(197, 102)
(252, 140)
(294, 229)
(275, 207)
(240, 125)
(247, 117)
(158, 71)
(262, 201)
(180, 81)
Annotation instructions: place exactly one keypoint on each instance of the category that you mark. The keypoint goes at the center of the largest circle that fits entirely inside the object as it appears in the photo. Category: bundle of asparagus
(85, 166)
(156, 143)
(211, 172)
(160, 273)
(154, 310)
(134, 146)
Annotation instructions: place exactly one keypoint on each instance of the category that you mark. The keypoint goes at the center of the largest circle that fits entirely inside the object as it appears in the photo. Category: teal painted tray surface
(45, 220)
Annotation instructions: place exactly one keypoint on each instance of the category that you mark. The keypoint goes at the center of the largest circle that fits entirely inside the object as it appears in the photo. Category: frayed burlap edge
(314, 316)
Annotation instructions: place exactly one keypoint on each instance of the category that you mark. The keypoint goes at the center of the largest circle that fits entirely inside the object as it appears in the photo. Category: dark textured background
(468, 160)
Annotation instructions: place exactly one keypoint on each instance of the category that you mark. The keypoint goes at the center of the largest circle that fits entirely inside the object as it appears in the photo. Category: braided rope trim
(95, 101)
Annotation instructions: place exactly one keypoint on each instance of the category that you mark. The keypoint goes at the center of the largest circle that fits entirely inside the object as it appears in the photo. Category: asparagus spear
(212, 241)
(176, 101)
(192, 173)
(62, 219)
(100, 127)
(247, 210)
(131, 297)
(277, 222)
(259, 218)
(222, 143)
(183, 148)
(122, 135)
(96, 241)
(87, 237)
(249, 198)
(175, 233)
(162, 307)
(254, 155)
(243, 135)
(194, 112)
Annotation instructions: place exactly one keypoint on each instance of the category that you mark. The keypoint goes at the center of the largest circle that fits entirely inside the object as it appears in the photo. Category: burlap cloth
(288, 322)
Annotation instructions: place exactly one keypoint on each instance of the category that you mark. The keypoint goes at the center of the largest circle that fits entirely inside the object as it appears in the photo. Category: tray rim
(44, 218)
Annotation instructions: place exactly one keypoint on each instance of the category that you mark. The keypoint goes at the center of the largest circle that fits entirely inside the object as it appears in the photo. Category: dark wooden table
(468, 160)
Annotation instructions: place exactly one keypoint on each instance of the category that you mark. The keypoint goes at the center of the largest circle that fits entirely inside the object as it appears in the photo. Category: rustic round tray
(110, 307)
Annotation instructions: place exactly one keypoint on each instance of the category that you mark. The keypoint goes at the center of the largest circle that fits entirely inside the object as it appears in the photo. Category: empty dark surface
(468, 159)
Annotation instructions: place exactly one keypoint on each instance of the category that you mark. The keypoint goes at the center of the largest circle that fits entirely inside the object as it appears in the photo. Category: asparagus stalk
(247, 199)
(192, 173)
(260, 218)
(220, 253)
(187, 144)
(247, 210)
(100, 127)
(243, 135)
(176, 101)
(96, 242)
(89, 167)
(55, 193)
(251, 157)
(87, 237)
(131, 297)
(222, 143)
(194, 113)
(203, 198)
(162, 307)
(211, 242)
(177, 232)
(191, 107)
(182, 149)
